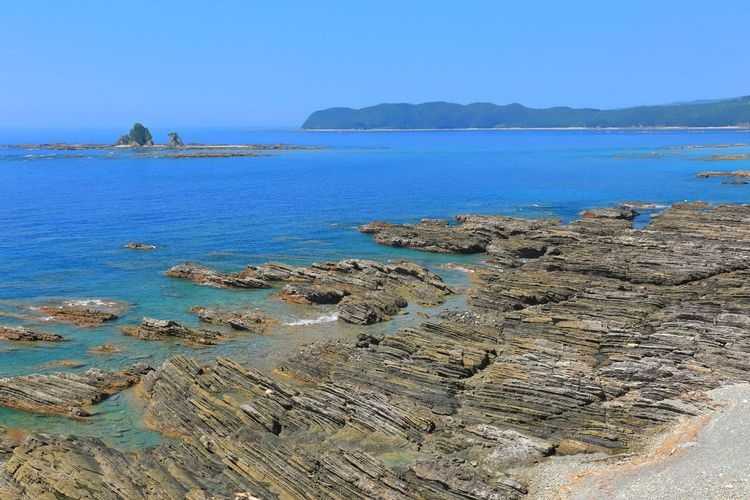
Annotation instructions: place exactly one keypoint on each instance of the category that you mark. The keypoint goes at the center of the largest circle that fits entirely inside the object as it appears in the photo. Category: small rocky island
(139, 143)
(576, 338)
(138, 136)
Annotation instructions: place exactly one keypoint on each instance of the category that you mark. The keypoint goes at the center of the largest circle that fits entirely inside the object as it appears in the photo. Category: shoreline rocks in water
(734, 173)
(83, 312)
(161, 329)
(236, 320)
(139, 246)
(66, 394)
(207, 276)
(607, 334)
(23, 334)
(360, 287)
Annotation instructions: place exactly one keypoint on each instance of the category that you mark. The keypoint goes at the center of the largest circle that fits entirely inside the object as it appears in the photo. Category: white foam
(326, 318)
(90, 302)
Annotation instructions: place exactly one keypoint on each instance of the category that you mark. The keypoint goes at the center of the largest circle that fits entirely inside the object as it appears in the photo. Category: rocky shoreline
(577, 338)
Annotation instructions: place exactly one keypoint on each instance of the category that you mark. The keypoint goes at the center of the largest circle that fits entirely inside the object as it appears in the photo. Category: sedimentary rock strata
(82, 312)
(366, 291)
(161, 329)
(587, 343)
(66, 393)
(622, 212)
(23, 334)
(208, 276)
(237, 320)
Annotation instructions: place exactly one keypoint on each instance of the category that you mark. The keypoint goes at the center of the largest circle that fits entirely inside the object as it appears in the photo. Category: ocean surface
(65, 216)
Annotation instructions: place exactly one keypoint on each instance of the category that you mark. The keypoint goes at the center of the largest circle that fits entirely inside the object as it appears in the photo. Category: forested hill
(444, 115)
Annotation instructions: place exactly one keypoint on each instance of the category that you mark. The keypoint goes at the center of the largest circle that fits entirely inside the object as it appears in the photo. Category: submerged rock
(23, 334)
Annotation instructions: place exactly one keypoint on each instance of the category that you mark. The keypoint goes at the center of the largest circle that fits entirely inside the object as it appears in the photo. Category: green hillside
(444, 115)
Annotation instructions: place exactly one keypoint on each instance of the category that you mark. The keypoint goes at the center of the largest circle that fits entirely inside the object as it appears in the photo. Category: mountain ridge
(482, 115)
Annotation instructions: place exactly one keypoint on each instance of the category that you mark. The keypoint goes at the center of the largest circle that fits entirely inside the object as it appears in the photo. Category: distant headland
(733, 112)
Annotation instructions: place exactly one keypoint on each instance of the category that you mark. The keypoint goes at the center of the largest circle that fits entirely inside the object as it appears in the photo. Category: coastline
(505, 129)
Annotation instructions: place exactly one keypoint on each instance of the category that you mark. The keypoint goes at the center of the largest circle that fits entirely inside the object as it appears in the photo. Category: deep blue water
(64, 218)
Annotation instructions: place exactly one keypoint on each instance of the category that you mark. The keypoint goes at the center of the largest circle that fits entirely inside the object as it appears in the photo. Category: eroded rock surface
(161, 329)
(588, 343)
(23, 334)
(207, 276)
(81, 312)
(237, 320)
(66, 393)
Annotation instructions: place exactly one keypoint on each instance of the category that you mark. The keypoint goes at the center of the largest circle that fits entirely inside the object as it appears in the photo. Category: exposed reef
(66, 394)
(133, 245)
(236, 320)
(206, 276)
(577, 338)
(161, 329)
(23, 334)
(82, 312)
(735, 173)
(367, 291)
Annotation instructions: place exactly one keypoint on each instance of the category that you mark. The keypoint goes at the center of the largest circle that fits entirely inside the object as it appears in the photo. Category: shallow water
(65, 216)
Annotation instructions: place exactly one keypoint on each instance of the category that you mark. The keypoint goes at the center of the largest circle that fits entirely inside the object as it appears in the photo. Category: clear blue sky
(270, 63)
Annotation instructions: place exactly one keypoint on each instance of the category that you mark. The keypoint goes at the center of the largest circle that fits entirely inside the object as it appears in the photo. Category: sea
(65, 216)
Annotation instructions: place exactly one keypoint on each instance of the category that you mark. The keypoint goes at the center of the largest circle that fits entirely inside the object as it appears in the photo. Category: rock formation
(577, 338)
(66, 393)
(82, 312)
(207, 276)
(21, 333)
(174, 140)
(161, 329)
(139, 246)
(366, 291)
(138, 136)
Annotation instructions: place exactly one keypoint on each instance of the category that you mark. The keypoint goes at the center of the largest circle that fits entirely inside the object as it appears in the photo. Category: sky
(270, 63)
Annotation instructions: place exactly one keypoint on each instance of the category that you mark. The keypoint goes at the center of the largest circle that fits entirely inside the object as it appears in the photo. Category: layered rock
(207, 276)
(66, 393)
(23, 334)
(82, 312)
(161, 329)
(598, 337)
(312, 294)
(237, 320)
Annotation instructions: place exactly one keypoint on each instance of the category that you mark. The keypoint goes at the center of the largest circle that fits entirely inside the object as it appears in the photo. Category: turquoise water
(65, 215)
